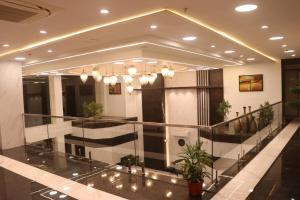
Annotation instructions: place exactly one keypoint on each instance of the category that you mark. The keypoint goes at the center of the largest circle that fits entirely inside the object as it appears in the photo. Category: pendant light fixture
(99, 77)
(95, 74)
(132, 70)
(83, 76)
(127, 79)
(171, 73)
(129, 89)
(113, 80)
(106, 80)
(165, 71)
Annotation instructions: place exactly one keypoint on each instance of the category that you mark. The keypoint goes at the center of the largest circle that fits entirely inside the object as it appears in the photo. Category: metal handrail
(154, 123)
(241, 116)
(122, 121)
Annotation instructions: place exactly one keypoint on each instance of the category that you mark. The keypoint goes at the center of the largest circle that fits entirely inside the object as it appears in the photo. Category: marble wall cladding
(11, 105)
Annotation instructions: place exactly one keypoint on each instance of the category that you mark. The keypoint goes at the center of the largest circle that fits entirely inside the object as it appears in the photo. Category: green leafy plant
(134, 160)
(224, 108)
(194, 162)
(92, 109)
(266, 115)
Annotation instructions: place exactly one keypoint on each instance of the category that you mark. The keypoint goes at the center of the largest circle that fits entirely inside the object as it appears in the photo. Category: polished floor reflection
(111, 179)
(283, 178)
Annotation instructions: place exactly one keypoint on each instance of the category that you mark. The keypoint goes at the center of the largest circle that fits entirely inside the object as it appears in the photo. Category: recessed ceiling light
(250, 59)
(246, 8)
(119, 63)
(264, 27)
(152, 62)
(293, 55)
(276, 38)
(75, 174)
(62, 196)
(229, 51)
(153, 26)
(50, 51)
(5, 45)
(289, 51)
(241, 56)
(137, 60)
(53, 193)
(189, 38)
(104, 11)
(213, 46)
(43, 32)
(284, 45)
(20, 58)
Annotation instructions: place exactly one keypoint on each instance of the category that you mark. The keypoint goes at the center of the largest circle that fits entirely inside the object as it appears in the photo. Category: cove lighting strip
(128, 46)
(198, 22)
(180, 14)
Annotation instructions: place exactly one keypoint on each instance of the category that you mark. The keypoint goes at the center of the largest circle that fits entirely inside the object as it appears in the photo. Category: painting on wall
(250, 83)
(115, 90)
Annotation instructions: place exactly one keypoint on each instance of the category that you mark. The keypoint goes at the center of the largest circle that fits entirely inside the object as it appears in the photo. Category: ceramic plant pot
(237, 125)
(195, 188)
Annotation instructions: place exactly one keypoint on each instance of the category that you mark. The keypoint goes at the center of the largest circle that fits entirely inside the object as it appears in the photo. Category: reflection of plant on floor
(193, 162)
(92, 109)
(266, 115)
(224, 108)
(134, 160)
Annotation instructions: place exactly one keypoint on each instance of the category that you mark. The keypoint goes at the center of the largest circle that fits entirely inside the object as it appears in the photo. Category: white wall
(11, 105)
(271, 80)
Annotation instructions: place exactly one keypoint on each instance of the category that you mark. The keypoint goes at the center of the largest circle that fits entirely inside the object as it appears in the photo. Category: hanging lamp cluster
(145, 78)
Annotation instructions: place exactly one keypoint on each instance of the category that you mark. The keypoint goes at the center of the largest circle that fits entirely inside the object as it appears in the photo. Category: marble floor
(283, 178)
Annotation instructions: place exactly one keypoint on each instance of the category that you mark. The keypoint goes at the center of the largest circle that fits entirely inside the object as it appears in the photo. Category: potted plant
(266, 115)
(193, 163)
(92, 109)
(224, 109)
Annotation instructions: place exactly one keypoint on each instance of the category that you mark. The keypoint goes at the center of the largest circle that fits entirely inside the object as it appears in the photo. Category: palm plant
(92, 109)
(194, 162)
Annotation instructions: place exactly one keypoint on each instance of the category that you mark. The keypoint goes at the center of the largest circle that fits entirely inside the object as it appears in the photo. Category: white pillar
(56, 107)
(11, 105)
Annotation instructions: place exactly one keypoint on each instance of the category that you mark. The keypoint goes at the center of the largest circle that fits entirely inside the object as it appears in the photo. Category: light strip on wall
(198, 22)
(30, 46)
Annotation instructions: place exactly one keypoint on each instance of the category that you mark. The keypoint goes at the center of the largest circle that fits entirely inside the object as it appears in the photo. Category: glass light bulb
(106, 80)
(127, 79)
(165, 71)
(113, 80)
(151, 79)
(171, 73)
(129, 89)
(99, 77)
(84, 77)
(132, 71)
(95, 74)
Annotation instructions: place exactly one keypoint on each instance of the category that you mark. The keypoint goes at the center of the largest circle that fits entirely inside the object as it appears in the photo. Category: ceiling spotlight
(137, 60)
(289, 51)
(62, 196)
(250, 59)
(152, 62)
(104, 11)
(284, 46)
(5, 45)
(213, 46)
(264, 27)
(246, 8)
(50, 51)
(229, 51)
(189, 38)
(132, 71)
(293, 55)
(241, 56)
(119, 63)
(153, 26)
(83, 77)
(43, 32)
(20, 58)
(276, 38)
(53, 192)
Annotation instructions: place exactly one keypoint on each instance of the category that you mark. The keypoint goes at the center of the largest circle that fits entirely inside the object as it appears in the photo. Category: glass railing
(146, 149)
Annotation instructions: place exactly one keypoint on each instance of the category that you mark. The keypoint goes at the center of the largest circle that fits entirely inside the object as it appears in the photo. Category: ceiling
(79, 35)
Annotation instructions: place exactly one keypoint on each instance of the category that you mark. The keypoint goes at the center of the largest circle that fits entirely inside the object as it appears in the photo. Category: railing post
(212, 154)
